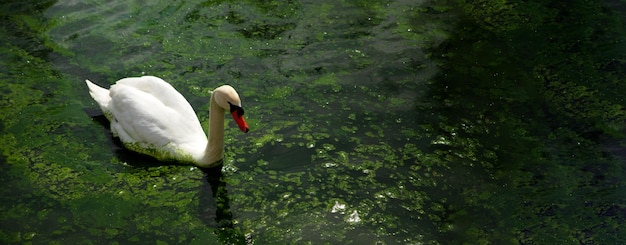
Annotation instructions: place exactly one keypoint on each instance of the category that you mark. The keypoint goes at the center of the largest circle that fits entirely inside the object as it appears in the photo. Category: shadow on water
(531, 130)
(116, 145)
(214, 209)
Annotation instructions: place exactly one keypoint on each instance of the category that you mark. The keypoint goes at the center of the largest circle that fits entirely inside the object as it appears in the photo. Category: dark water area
(372, 122)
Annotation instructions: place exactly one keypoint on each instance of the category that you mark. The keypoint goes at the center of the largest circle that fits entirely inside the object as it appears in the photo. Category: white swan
(151, 117)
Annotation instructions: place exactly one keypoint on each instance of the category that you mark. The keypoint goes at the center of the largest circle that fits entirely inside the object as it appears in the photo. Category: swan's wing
(162, 91)
(153, 114)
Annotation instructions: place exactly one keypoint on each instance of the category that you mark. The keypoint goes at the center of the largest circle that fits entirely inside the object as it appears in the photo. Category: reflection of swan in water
(151, 117)
(219, 202)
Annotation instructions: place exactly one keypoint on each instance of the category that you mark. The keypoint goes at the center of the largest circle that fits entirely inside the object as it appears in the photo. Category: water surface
(372, 122)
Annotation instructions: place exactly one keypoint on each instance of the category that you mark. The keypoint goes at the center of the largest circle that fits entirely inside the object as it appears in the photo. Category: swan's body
(151, 117)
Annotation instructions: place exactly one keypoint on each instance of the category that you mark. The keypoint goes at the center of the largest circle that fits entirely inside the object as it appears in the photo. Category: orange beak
(241, 122)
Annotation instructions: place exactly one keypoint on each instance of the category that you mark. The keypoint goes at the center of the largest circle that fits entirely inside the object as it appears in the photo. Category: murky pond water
(372, 122)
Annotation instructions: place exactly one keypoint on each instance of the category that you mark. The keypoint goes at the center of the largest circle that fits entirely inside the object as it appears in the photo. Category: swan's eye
(234, 108)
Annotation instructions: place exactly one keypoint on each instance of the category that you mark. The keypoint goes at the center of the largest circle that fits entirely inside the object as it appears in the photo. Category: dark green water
(372, 122)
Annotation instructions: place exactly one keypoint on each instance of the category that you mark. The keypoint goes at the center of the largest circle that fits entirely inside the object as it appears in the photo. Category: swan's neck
(215, 147)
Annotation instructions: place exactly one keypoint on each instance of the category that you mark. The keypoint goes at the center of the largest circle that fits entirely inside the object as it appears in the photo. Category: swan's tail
(100, 95)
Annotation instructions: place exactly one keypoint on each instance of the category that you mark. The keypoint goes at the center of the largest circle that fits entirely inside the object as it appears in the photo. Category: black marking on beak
(236, 108)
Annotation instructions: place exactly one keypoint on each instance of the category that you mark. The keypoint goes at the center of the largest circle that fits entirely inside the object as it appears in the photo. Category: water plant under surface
(494, 122)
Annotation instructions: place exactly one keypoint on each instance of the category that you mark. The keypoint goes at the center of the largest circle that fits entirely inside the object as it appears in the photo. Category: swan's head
(227, 98)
